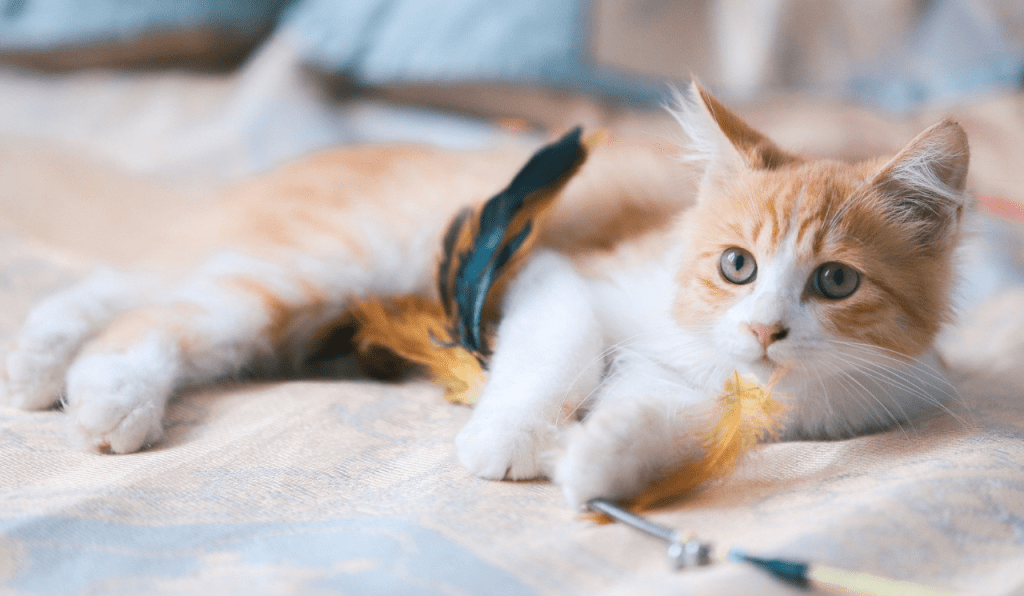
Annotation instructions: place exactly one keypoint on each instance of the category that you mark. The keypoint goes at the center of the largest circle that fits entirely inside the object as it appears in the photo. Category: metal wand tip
(692, 553)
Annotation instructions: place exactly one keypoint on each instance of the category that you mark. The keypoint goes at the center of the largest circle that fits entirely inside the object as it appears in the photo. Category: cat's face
(818, 267)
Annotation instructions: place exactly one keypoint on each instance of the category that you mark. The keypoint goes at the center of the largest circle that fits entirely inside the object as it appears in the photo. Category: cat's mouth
(768, 366)
(771, 370)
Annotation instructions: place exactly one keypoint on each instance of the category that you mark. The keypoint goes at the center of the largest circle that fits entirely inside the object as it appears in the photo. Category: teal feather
(791, 572)
(464, 293)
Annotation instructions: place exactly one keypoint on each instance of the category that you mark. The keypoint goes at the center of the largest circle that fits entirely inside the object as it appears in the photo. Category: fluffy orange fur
(363, 197)
(837, 214)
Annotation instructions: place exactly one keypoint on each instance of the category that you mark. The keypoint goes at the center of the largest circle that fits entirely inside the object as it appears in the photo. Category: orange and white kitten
(646, 291)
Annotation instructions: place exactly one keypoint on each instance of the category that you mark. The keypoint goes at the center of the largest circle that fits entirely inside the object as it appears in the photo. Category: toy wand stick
(685, 551)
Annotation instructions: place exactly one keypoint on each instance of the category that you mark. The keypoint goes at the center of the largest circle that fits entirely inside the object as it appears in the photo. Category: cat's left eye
(835, 281)
(737, 266)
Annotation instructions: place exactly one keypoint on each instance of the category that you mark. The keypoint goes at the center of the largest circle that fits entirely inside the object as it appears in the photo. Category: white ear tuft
(923, 185)
(721, 140)
(706, 144)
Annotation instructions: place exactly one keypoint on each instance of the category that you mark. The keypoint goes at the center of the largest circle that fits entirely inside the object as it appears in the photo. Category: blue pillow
(405, 42)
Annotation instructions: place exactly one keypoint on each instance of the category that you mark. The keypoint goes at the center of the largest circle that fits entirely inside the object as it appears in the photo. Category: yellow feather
(416, 329)
(749, 414)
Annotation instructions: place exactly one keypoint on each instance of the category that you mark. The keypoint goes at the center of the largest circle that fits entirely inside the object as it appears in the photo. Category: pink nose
(768, 334)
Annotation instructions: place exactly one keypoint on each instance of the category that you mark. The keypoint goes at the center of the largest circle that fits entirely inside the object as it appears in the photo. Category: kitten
(654, 279)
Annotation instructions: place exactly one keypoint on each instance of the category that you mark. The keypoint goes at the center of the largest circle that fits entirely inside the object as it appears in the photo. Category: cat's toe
(112, 424)
(116, 401)
(499, 451)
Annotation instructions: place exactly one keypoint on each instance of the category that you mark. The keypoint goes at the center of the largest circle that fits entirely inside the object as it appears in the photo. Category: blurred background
(217, 89)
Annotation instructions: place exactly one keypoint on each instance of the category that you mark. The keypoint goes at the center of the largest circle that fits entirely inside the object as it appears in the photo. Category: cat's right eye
(835, 281)
(737, 266)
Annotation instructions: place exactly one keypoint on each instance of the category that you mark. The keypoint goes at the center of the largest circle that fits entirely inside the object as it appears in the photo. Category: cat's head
(813, 264)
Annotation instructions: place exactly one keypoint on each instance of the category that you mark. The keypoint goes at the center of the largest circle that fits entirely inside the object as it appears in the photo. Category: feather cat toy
(480, 253)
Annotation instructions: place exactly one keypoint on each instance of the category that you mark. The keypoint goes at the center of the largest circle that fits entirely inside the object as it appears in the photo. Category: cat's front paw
(501, 449)
(116, 400)
(597, 464)
(619, 450)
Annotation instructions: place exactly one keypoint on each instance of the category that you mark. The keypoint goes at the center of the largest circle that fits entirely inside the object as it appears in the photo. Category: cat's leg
(56, 329)
(547, 360)
(234, 313)
(628, 441)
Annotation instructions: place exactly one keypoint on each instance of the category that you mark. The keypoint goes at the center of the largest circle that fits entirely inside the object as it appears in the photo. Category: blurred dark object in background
(896, 54)
(70, 34)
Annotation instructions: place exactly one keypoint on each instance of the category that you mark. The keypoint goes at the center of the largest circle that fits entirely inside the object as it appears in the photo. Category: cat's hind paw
(31, 379)
(116, 400)
(36, 362)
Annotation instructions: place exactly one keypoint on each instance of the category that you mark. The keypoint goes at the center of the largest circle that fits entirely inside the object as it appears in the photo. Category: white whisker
(894, 356)
(912, 385)
(858, 390)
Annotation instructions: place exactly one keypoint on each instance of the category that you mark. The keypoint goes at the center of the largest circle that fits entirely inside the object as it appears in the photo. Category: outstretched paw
(36, 363)
(116, 400)
(31, 379)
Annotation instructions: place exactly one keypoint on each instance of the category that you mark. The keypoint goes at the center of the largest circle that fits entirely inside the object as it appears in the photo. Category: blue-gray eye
(836, 281)
(737, 266)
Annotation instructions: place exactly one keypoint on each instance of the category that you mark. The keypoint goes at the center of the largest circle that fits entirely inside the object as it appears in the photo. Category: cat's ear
(721, 140)
(922, 187)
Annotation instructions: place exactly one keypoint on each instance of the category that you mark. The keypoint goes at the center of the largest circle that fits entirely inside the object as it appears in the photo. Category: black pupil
(837, 276)
(737, 261)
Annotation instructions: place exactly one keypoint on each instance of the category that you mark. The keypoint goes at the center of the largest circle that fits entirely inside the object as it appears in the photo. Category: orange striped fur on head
(894, 222)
